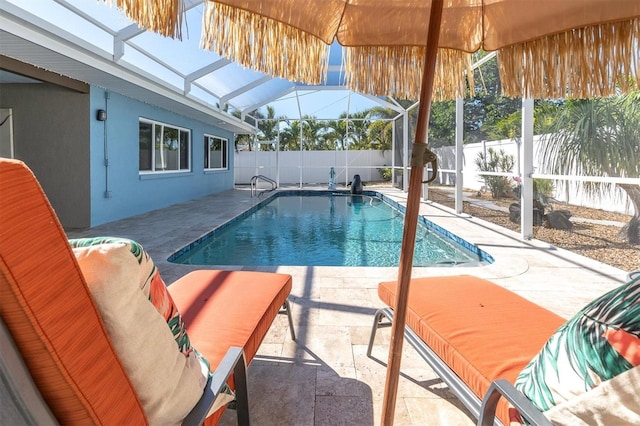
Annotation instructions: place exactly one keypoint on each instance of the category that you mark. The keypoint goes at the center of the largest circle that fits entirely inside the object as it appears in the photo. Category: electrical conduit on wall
(107, 192)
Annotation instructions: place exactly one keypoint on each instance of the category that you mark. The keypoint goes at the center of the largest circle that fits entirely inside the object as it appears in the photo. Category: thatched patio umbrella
(421, 49)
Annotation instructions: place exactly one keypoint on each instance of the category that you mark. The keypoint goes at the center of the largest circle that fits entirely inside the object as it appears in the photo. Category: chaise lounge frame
(484, 410)
(233, 363)
(29, 405)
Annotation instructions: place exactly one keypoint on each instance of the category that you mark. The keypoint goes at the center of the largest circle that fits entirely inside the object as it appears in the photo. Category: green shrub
(542, 191)
(500, 186)
(385, 173)
(543, 186)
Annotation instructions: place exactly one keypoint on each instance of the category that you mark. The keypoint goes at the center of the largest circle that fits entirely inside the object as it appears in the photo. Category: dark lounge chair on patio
(63, 357)
(480, 338)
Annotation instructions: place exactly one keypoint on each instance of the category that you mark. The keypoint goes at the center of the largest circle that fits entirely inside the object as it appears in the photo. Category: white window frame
(180, 130)
(224, 156)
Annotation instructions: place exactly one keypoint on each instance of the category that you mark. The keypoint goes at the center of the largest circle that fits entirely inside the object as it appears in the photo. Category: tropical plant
(358, 130)
(290, 136)
(442, 124)
(336, 131)
(599, 137)
(493, 161)
(268, 127)
(240, 139)
(385, 173)
(487, 115)
(542, 192)
(543, 186)
(309, 131)
(379, 135)
(381, 129)
(487, 107)
(312, 133)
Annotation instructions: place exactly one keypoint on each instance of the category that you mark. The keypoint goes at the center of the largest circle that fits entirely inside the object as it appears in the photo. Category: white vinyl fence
(614, 200)
(301, 168)
(310, 167)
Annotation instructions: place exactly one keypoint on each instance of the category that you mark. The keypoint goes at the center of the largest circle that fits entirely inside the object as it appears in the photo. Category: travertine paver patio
(325, 377)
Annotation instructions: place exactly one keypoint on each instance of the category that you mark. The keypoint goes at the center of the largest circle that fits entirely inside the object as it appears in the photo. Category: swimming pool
(326, 228)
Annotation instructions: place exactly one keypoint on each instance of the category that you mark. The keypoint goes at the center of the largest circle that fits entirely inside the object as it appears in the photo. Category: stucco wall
(51, 135)
(129, 192)
(57, 134)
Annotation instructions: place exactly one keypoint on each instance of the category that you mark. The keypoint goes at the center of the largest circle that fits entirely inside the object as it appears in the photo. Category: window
(163, 148)
(215, 152)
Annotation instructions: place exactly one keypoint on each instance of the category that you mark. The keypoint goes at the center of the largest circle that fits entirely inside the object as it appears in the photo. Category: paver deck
(325, 378)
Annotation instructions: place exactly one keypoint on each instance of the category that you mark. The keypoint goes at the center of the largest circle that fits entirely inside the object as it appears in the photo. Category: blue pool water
(321, 228)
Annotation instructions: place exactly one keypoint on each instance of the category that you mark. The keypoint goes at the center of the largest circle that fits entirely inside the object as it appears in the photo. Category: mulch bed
(596, 241)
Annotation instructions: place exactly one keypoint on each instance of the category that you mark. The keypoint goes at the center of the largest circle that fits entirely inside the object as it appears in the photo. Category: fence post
(459, 154)
(526, 160)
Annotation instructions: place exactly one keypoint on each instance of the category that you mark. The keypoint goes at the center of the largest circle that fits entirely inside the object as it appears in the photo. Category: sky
(323, 104)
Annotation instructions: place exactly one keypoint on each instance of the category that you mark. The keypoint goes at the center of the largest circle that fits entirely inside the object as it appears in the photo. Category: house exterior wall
(56, 133)
(119, 190)
(51, 135)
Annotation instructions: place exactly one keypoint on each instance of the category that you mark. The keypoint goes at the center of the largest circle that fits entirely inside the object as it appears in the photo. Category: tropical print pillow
(147, 278)
(599, 343)
(153, 286)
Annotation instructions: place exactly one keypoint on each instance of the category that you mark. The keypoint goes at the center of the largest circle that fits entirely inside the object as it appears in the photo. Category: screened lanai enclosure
(188, 74)
(313, 137)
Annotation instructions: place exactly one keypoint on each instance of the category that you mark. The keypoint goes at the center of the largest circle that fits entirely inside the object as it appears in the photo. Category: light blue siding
(130, 193)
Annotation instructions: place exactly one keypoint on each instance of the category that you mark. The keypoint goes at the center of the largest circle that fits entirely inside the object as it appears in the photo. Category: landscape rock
(514, 214)
(559, 219)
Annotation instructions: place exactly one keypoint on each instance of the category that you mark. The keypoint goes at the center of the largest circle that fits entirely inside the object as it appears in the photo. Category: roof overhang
(94, 44)
(27, 38)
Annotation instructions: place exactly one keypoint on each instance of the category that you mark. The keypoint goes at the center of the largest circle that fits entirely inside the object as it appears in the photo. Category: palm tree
(599, 137)
(268, 126)
(380, 134)
(358, 129)
(241, 139)
(337, 131)
(381, 130)
(290, 136)
(312, 131)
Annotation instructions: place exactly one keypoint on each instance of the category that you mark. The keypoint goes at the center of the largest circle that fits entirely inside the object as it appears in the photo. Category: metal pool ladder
(254, 182)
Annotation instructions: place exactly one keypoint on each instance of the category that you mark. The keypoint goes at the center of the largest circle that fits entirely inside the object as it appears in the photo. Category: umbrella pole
(411, 217)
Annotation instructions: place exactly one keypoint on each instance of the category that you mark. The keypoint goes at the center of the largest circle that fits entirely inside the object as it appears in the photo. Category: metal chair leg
(377, 323)
(286, 309)
(242, 394)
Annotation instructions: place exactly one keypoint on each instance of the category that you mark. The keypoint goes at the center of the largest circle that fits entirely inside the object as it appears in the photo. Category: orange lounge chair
(479, 337)
(52, 327)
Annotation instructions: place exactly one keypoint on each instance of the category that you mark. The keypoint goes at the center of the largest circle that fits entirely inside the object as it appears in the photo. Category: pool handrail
(254, 181)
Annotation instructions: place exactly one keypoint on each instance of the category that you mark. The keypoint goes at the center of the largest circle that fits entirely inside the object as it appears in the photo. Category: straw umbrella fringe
(596, 61)
(160, 16)
(593, 61)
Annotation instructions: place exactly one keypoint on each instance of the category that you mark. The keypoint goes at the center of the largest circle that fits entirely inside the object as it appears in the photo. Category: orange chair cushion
(482, 331)
(207, 300)
(50, 314)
